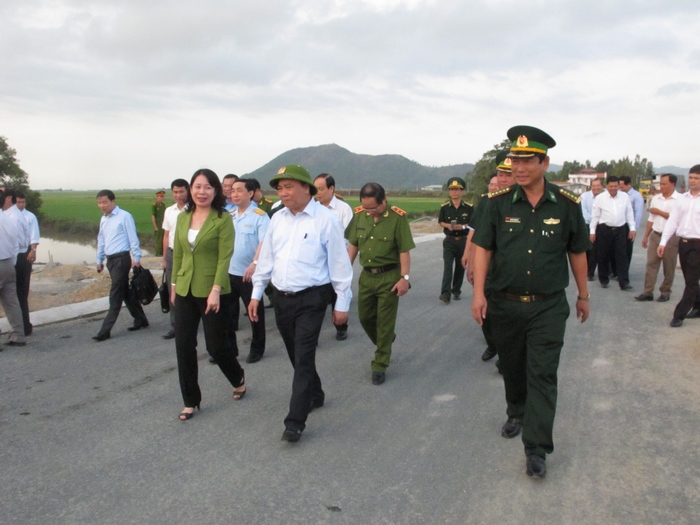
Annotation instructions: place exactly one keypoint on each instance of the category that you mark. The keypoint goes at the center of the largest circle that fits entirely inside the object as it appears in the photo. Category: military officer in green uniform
(263, 203)
(383, 239)
(454, 218)
(528, 230)
(157, 215)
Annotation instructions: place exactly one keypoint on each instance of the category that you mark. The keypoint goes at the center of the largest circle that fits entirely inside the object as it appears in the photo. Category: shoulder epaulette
(359, 209)
(445, 203)
(339, 196)
(570, 195)
(268, 201)
(398, 210)
(259, 211)
(484, 195)
(500, 192)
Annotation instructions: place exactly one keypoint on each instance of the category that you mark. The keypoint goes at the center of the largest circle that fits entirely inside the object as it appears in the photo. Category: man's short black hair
(611, 178)
(695, 169)
(373, 189)
(230, 176)
(673, 179)
(249, 185)
(180, 183)
(256, 183)
(330, 181)
(625, 179)
(106, 193)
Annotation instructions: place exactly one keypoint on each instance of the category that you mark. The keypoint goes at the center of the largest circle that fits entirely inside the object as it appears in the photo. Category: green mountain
(352, 170)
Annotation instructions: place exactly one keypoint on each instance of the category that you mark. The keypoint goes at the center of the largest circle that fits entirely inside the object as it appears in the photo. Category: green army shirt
(380, 242)
(461, 215)
(158, 211)
(530, 244)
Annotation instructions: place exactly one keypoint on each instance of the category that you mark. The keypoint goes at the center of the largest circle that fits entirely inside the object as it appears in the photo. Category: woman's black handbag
(164, 291)
(143, 287)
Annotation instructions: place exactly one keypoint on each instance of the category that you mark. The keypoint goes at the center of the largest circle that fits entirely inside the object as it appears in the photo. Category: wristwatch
(405, 276)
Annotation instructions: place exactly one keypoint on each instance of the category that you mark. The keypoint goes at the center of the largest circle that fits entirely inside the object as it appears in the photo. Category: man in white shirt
(180, 189)
(303, 255)
(637, 202)
(659, 210)
(587, 210)
(684, 221)
(612, 224)
(325, 185)
(23, 266)
(9, 247)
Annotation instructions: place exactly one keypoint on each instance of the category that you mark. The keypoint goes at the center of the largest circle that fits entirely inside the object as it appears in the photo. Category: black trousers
(689, 255)
(452, 272)
(612, 246)
(243, 290)
(591, 259)
(299, 319)
(188, 312)
(119, 266)
(23, 272)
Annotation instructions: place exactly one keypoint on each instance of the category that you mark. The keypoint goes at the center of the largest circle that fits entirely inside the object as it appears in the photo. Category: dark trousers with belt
(689, 255)
(169, 277)
(452, 273)
(23, 271)
(612, 246)
(299, 319)
(119, 266)
(241, 289)
(529, 338)
(188, 312)
(591, 259)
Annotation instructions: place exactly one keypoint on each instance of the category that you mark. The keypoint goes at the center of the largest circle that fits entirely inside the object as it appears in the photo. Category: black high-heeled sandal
(238, 394)
(184, 416)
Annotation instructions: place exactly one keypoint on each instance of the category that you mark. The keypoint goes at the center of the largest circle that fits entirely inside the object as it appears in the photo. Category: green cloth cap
(456, 182)
(294, 172)
(503, 162)
(527, 141)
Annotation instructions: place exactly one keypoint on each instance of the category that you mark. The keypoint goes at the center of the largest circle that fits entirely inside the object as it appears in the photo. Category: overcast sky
(135, 93)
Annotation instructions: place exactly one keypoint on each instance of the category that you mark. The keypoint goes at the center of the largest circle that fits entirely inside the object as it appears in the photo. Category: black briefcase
(164, 292)
(142, 287)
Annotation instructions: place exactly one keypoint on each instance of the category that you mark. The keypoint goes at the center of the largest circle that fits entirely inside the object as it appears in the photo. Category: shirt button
(529, 251)
(371, 237)
(528, 272)
(532, 231)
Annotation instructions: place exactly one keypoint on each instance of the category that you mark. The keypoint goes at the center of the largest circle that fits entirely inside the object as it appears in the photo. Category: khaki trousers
(654, 263)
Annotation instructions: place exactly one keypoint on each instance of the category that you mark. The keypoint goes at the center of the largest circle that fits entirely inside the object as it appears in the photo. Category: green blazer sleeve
(199, 269)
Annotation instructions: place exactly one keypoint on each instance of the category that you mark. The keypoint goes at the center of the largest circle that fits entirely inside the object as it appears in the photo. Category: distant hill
(352, 170)
(671, 169)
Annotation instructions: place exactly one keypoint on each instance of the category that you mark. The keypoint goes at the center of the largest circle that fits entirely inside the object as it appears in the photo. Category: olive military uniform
(380, 243)
(158, 211)
(528, 306)
(453, 246)
(265, 205)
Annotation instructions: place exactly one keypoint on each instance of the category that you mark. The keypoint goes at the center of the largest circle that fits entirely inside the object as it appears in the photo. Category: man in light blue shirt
(9, 247)
(637, 202)
(587, 210)
(118, 242)
(250, 224)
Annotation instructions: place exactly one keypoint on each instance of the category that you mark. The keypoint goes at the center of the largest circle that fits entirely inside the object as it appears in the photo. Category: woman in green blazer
(203, 247)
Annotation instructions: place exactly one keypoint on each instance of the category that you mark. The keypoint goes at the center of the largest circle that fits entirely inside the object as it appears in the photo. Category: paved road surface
(90, 434)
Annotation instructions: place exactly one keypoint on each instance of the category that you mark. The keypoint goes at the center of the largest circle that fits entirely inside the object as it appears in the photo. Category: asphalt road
(90, 434)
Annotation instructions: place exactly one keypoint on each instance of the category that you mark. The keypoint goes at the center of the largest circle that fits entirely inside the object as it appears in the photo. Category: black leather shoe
(675, 322)
(253, 358)
(591, 278)
(445, 298)
(291, 435)
(625, 287)
(138, 327)
(341, 335)
(512, 427)
(212, 360)
(603, 285)
(101, 337)
(489, 353)
(169, 335)
(16, 343)
(693, 314)
(378, 378)
(457, 296)
(642, 297)
(535, 466)
(663, 299)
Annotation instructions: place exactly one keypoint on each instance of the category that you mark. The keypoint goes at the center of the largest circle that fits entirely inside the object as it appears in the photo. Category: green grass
(77, 210)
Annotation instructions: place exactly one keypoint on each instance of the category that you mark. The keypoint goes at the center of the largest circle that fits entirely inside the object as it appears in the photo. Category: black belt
(612, 227)
(527, 298)
(689, 240)
(457, 234)
(300, 292)
(120, 254)
(380, 269)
